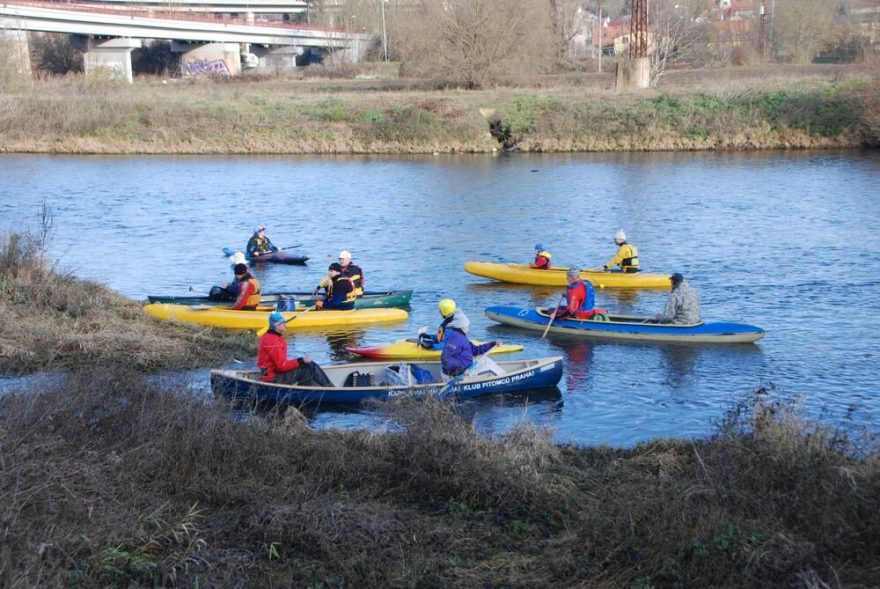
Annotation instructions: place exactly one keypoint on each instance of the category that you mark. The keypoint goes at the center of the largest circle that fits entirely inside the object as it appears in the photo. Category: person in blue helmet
(542, 258)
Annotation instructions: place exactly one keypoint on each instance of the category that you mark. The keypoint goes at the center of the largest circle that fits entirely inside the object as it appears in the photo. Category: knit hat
(275, 318)
(240, 269)
(336, 266)
(676, 279)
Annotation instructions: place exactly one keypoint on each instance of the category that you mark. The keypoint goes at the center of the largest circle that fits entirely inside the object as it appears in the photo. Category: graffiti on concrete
(204, 67)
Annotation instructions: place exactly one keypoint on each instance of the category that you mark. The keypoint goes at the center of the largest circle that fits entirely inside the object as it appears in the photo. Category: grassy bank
(54, 321)
(111, 481)
(730, 109)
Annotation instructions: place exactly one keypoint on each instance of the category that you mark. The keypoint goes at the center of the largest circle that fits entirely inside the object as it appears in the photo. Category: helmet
(539, 246)
(275, 318)
(620, 236)
(237, 258)
(447, 307)
(345, 255)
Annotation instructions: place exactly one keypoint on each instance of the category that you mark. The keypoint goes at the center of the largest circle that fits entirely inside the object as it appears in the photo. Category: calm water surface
(789, 242)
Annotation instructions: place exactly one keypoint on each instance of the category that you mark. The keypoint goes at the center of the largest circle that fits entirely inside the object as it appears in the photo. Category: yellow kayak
(228, 319)
(407, 349)
(522, 274)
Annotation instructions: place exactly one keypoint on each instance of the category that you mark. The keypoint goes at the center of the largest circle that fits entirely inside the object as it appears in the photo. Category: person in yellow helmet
(627, 256)
(458, 351)
(542, 258)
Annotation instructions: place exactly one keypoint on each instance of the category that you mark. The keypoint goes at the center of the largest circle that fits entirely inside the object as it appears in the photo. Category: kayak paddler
(579, 297)
(542, 258)
(627, 256)
(248, 296)
(340, 290)
(259, 244)
(458, 351)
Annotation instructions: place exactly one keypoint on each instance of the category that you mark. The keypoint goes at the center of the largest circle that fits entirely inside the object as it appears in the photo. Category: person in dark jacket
(340, 291)
(259, 244)
(458, 352)
(276, 367)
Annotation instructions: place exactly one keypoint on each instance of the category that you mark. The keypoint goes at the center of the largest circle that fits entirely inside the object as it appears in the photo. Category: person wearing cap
(627, 256)
(349, 269)
(458, 351)
(580, 298)
(542, 258)
(248, 296)
(272, 358)
(683, 305)
(340, 290)
(229, 291)
(259, 244)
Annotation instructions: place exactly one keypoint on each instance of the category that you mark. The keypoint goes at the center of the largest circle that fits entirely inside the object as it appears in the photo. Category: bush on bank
(109, 480)
(54, 321)
(279, 116)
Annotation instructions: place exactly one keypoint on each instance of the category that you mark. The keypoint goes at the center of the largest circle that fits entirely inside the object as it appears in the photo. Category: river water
(787, 241)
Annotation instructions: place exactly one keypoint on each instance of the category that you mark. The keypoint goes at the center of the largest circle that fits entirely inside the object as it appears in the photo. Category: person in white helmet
(349, 270)
(627, 257)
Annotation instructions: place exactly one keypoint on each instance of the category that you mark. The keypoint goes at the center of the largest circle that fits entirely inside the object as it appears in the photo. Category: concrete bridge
(108, 37)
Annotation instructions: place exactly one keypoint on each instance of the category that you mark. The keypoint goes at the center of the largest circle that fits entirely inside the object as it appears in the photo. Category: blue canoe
(519, 375)
(624, 327)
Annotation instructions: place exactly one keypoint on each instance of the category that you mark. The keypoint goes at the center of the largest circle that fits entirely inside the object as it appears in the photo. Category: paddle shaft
(262, 331)
(552, 317)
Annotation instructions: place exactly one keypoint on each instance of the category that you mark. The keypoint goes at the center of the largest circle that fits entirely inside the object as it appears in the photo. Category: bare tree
(54, 53)
(473, 42)
(566, 19)
(678, 34)
(801, 28)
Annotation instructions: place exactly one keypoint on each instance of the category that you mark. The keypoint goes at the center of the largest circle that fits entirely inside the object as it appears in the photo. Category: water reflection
(518, 295)
(579, 355)
(679, 362)
(338, 341)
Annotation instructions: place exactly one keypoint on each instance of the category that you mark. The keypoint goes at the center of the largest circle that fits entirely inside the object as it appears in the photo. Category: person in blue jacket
(458, 352)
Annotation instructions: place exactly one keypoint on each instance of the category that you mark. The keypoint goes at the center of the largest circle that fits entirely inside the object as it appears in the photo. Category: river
(787, 241)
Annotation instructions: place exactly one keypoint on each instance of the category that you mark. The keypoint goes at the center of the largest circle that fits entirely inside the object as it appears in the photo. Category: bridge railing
(133, 11)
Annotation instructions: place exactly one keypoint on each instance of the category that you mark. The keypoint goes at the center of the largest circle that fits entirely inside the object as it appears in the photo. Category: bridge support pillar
(14, 55)
(276, 58)
(111, 57)
(218, 59)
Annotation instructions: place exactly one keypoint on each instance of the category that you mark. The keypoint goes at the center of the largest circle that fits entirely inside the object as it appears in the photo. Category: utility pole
(601, 36)
(384, 33)
(638, 29)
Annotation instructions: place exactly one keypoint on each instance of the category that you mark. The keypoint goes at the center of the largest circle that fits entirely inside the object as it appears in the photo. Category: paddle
(443, 393)
(552, 317)
(262, 331)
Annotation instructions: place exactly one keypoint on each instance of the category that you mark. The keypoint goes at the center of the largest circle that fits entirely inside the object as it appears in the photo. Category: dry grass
(708, 109)
(110, 481)
(53, 321)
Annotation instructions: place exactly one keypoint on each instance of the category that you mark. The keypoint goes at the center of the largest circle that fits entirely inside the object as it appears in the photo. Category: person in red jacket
(579, 297)
(272, 358)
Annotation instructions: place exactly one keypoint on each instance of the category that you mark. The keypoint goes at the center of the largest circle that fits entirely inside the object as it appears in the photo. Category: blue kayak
(625, 327)
(518, 375)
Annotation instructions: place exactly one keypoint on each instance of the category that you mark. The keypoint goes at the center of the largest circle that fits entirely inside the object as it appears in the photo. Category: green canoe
(369, 300)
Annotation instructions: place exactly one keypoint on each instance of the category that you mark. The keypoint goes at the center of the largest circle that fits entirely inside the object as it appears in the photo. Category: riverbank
(53, 321)
(110, 480)
(737, 109)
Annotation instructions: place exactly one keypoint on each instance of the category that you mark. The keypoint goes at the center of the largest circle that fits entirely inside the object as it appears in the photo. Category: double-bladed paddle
(262, 331)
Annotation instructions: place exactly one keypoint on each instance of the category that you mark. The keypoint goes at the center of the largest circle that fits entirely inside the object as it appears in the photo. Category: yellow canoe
(522, 274)
(228, 319)
(406, 349)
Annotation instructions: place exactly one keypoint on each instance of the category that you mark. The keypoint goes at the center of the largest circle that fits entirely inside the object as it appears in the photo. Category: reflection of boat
(625, 327)
(519, 376)
(277, 257)
(369, 300)
(227, 318)
(409, 349)
(523, 274)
